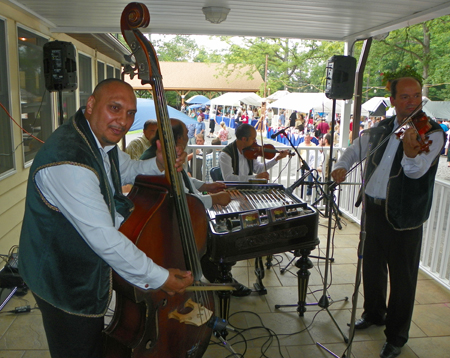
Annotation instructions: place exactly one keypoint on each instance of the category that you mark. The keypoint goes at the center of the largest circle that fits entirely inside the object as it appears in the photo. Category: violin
(266, 150)
(421, 124)
(417, 120)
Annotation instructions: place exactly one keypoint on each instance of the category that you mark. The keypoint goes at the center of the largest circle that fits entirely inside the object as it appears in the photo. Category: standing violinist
(399, 179)
(70, 240)
(233, 163)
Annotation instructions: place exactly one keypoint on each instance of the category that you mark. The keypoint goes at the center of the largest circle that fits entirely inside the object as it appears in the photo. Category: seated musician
(216, 193)
(235, 166)
(74, 207)
(216, 196)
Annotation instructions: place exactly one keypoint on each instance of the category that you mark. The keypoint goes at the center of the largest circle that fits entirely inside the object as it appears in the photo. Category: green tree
(178, 49)
(292, 64)
(422, 47)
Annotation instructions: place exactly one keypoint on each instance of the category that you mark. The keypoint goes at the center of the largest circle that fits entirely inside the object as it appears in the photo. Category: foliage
(291, 64)
(299, 65)
(422, 47)
(406, 71)
(182, 48)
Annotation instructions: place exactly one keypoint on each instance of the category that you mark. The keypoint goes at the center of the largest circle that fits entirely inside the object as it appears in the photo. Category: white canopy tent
(372, 104)
(437, 109)
(304, 102)
(433, 109)
(277, 95)
(235, 99)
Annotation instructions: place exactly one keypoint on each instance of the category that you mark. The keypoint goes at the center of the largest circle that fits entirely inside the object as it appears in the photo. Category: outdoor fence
(435, 255)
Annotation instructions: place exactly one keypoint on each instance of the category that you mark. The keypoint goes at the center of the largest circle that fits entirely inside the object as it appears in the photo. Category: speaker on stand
(340, 80)
(60, 69)
(340, 83)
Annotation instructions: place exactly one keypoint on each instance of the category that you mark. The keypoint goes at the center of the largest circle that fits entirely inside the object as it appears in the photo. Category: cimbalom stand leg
(260, 273)
(224, 296)
(304, 264)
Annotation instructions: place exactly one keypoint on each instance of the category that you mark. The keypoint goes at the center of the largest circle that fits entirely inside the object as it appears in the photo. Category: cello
(153, 323)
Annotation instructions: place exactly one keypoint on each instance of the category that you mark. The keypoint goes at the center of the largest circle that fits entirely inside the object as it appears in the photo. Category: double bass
(171, 228)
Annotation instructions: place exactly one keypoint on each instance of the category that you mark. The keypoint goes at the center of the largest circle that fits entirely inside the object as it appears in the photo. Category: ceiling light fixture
(215, 14)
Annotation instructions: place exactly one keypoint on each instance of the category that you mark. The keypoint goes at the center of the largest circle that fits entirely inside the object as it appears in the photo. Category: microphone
(273, 136)
(219, 324)
(298, 182)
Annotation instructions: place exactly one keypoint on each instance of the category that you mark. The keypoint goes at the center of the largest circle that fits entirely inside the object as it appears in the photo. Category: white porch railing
(435, 255)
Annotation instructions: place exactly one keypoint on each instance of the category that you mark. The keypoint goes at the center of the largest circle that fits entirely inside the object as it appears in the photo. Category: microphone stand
(362, 239)
(324, 301)
(304, 263)
(307, 171)
(304, 166)
(219, 327)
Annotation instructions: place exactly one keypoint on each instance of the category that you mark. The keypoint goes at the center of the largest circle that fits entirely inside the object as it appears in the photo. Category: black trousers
(393, 252)
(71, 336)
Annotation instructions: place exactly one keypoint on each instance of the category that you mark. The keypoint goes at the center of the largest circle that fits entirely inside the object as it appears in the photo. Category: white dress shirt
(75, 191)
(413, 168)
(227, 168)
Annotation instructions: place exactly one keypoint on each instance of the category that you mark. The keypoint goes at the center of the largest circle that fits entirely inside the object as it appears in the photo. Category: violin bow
(262, 147)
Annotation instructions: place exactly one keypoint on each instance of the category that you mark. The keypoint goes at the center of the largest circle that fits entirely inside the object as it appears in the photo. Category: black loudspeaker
(340, 77)
(60, 66)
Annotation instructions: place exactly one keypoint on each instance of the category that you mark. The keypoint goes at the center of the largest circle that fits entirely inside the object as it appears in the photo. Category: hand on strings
(263, 175)
(181, 157)
(339, 175)
(282, 154)
(411, 146)
(177, 281)
(215, 187)
(223, 198)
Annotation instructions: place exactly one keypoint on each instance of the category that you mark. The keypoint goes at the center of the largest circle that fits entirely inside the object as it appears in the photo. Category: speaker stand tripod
(61, 110)
(324, 301)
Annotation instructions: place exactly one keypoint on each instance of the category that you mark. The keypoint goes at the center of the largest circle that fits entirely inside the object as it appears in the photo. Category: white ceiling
(342, 20)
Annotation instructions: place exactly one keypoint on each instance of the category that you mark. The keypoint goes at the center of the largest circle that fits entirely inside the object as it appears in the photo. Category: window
(117, 73)
(35, 103)
(109, 71)
(6, 145)
(85, 78)
(100, 71)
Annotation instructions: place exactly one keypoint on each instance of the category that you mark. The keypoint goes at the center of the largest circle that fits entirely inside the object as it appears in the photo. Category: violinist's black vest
(408, 201)
(232, 150)
(55, 261)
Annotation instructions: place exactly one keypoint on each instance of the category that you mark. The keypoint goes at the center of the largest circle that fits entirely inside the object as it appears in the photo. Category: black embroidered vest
(232, 150)
(55, 261)
(408, 201)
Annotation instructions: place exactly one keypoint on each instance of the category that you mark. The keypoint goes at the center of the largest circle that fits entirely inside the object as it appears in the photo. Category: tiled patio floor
(281, 332)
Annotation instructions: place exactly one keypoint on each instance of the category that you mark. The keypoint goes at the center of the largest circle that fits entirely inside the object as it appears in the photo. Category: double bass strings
(184, 221)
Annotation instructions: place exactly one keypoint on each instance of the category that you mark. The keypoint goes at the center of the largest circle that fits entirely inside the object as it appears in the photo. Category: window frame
(8, 104)
(91, 76)
(52, 118)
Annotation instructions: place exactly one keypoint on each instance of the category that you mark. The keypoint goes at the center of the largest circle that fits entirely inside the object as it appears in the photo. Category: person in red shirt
(244, 117)
(323, 127)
